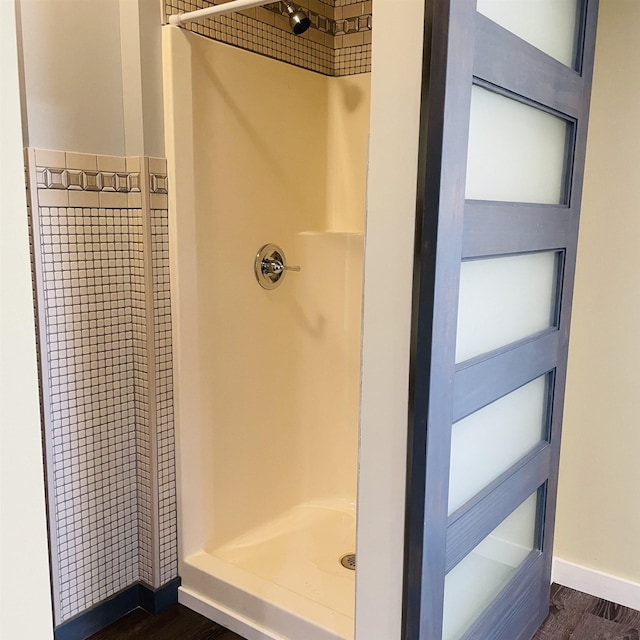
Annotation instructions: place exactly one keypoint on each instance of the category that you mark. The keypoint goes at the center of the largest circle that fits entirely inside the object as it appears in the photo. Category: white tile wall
(87, 316)
(108, 422)
(164, 394)
(143, 430)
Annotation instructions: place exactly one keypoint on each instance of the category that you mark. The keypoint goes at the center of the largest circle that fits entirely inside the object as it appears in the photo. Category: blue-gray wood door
(467, 53)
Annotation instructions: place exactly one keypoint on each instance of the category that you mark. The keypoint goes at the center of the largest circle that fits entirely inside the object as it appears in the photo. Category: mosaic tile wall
(338, 43)
(141, 386)
(166, 480)
(100, 246)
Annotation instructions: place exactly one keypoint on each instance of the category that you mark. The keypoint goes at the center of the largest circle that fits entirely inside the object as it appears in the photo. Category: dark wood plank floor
(573, 616)
(177, 623)
(576, 616)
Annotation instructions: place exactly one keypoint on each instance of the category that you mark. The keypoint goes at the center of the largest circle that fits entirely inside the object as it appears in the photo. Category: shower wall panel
(266, 121)
(337, 44)
(347, 134)
(100, 249)
(269, 380)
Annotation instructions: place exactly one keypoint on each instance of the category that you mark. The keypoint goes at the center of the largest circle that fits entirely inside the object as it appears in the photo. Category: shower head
(298, 19)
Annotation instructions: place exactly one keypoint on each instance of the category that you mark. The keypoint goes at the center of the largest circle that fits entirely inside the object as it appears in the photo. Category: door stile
(446, 98)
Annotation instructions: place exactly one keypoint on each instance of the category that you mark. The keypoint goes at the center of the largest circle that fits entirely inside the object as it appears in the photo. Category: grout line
(151, 367)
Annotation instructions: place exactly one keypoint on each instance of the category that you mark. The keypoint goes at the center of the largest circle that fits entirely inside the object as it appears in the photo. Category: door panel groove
(504, 60)
(475, 520)
(493, 229)
(481, 383)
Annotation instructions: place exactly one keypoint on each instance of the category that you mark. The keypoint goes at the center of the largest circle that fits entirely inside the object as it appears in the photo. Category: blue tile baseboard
(102, 615)
(157, 600)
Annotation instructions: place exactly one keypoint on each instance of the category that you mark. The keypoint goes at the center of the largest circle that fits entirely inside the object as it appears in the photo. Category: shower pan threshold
(282, 580)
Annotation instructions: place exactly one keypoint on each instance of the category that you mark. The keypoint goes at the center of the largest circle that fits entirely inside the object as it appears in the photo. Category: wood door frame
(453, 60)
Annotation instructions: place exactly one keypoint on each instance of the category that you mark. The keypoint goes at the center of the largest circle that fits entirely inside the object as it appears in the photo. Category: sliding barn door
(505, 109)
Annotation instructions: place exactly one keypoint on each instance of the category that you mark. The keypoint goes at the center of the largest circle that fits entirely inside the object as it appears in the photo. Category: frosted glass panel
(473, 583)
(502, 300)
(549, 25)
(489, 441)
(516, 152)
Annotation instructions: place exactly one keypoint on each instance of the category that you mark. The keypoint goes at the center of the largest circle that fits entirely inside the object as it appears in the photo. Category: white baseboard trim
(596, 583)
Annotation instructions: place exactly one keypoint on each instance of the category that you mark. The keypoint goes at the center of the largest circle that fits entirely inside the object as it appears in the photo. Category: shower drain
(348, 561)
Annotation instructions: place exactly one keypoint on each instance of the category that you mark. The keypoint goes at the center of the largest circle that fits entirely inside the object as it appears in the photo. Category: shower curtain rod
(220, 9)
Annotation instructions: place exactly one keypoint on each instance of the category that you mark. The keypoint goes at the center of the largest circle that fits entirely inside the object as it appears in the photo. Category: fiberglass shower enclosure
(268, 379)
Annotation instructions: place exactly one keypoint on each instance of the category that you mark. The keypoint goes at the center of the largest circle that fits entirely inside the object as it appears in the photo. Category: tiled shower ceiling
(337, 44)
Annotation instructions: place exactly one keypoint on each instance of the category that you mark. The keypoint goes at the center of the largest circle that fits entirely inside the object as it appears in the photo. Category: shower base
(281, 581)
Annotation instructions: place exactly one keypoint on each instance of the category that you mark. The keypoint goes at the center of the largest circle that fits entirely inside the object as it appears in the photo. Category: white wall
(391, 206)
(598, 521)
(141, 55)
(92, 75)
(150, 15)
(73, 75)
(25, 598)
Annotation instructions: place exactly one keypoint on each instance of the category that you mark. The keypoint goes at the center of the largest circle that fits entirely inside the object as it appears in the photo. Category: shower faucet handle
(270, 266)
(275, 266)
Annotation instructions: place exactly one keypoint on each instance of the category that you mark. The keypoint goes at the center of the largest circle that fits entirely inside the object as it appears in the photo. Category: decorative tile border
(74, 179)
(52, 178)
(158, 183)
(337, 44)
(84, 180)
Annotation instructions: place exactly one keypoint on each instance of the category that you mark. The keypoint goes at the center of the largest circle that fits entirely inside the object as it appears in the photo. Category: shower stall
(269, 164)
(266, 155)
